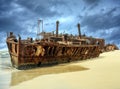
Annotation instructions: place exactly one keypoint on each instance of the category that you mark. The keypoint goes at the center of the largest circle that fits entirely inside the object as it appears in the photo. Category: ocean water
(5, 70)
(4, 60)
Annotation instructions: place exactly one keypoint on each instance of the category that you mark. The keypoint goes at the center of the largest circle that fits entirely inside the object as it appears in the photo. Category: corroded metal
(110, 47)
(52, 49)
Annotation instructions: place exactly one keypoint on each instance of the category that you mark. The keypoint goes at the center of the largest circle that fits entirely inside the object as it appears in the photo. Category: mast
(79, 31)
(57, 26)
(40, 23)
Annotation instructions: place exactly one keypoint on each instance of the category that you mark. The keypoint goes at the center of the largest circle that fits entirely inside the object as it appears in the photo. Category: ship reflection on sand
(25, 75)
(10, 76)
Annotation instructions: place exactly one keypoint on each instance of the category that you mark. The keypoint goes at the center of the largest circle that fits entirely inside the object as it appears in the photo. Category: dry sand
(99, 73)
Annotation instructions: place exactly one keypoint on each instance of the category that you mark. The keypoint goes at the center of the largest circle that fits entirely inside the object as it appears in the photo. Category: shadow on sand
(25, 75)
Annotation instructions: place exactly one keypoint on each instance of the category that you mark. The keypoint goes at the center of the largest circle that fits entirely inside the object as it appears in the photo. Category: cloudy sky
(98, 18)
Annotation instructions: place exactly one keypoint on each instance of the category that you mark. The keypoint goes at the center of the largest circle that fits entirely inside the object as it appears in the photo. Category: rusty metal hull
(52, 48)
(48, 53)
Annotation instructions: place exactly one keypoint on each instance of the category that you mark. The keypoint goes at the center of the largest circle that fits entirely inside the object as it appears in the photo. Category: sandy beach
(98, 73)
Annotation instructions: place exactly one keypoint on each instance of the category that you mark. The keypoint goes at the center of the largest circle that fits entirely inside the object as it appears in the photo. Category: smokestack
(79, 32)
(57, 25)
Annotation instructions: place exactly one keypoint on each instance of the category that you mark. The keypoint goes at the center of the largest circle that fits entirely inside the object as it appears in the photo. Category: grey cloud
(101, 21)
(8, 24)
(115, 35)
(31, 10)
(16, 19)
(110, 35)
(111, 11)
(41, 7)
(114, 38)
(11, 19)
(5, 5)
(91, 3)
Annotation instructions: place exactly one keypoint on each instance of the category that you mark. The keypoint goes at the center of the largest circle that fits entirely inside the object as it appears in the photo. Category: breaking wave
(5, 62)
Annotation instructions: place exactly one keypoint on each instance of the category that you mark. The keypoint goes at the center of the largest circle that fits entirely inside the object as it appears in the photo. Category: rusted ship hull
(48, 53)
(52, 48)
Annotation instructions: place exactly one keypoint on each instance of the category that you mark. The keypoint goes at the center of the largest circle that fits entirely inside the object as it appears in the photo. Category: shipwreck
(52, 48)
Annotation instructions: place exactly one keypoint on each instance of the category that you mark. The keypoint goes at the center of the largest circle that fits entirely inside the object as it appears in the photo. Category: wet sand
(26, 75)
(98, 73)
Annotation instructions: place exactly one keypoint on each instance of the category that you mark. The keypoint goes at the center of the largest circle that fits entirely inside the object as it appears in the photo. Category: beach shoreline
(98, 73)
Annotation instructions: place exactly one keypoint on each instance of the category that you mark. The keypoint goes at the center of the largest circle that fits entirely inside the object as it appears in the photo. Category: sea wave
(4, 54)
(5, 62)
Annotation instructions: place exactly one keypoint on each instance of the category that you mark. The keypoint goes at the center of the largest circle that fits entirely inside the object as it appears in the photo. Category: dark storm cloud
(8, 19)
(91, 3)
(6, 22)
(11, 18)
(5, 5)
(38, 8)
(104, 24)
(101, 21)
(115, 36)
(43, 8)
(99, 16)
(15, 15)
(9, 24)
